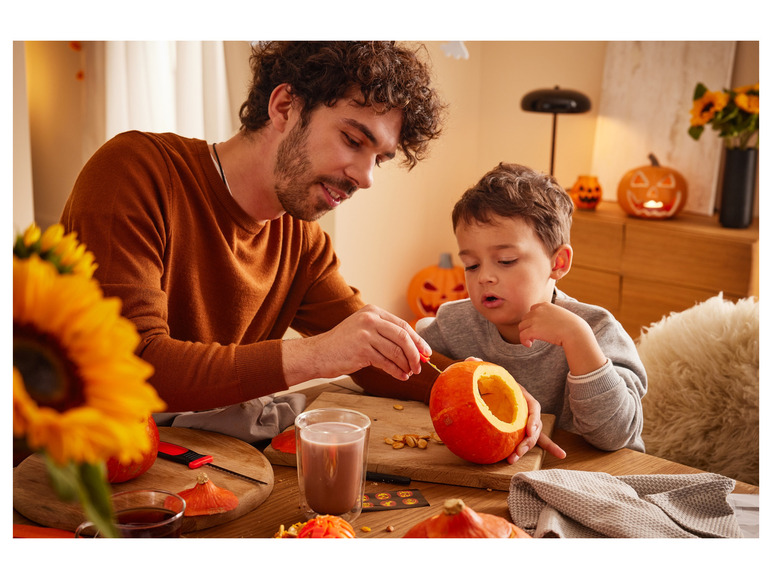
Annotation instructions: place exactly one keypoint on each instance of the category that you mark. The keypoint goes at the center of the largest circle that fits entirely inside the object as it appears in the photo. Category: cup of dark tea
(143, 514)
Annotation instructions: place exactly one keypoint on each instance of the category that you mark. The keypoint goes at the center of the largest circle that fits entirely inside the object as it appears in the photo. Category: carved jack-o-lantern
(434, 285)
(652, 192)
(586, 192)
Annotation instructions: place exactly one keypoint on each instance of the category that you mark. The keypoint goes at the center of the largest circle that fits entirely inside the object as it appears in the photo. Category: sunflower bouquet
(733, 113)
(80, 394)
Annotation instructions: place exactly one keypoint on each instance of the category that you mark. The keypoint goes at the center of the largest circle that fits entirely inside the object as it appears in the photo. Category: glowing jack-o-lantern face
(586, 192)
(652, 192)
(434, 285)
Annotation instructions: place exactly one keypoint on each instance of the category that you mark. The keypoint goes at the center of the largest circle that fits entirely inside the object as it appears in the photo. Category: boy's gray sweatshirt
(603, 406)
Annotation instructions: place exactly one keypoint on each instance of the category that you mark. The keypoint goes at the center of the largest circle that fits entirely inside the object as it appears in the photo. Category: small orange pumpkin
(206, 498)
(118, 472)
(653, 191)
(326, 527)
(434, 285)
(458, 521)
(586, 192)
(479, 411)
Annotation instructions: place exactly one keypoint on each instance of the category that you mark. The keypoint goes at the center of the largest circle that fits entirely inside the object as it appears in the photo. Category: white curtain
(178, 87)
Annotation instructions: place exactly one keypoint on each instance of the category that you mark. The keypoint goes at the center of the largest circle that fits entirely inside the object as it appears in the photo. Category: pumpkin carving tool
(426, 359)
(193, 459)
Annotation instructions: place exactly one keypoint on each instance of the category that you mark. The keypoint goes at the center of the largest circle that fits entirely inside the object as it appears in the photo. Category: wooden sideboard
(642, 270)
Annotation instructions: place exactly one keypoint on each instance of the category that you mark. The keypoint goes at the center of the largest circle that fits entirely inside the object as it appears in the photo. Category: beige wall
(386, 234)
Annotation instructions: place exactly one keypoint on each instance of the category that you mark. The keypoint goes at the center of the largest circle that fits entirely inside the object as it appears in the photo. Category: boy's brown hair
(511, 190)
(320, 73)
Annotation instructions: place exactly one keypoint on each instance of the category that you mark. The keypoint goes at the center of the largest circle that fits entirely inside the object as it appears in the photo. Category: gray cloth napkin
(573, 504)
(252, 421)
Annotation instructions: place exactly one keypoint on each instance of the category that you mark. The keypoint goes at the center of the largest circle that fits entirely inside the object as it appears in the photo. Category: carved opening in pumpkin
(498, 402)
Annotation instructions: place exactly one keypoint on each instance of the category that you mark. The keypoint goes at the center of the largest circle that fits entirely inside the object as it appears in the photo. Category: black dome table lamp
(556, 101)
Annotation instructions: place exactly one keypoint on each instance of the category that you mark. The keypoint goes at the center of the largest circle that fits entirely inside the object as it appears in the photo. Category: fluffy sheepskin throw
(702, 404)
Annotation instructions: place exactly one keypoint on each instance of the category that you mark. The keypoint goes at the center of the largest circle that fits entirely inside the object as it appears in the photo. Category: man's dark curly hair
(320, 73)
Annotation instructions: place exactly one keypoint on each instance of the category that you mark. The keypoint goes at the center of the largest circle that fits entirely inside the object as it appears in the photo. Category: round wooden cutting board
(34, 498)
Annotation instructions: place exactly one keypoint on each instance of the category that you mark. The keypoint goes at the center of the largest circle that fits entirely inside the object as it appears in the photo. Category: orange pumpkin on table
(118, 471)
(458, 521)
(206, 498)
(433, 286)
(320, 527)
(653, 191)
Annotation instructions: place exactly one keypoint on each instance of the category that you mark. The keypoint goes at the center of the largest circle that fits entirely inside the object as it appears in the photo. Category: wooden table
(282, 506)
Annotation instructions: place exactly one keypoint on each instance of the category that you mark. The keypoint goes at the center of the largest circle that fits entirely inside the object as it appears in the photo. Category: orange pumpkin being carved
(652, 192)
(479, 411)
(434, 285)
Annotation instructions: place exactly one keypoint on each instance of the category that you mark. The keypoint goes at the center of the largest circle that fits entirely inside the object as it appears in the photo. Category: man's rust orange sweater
(211, 291)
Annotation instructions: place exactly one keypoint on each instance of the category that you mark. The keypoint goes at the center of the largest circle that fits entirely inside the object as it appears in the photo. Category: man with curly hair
(214, 250)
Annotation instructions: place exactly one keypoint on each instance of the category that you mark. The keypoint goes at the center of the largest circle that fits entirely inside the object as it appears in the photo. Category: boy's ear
(561, 261)
(280, 106)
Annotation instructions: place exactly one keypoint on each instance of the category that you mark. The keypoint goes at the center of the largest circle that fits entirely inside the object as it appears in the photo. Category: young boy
(575, 359)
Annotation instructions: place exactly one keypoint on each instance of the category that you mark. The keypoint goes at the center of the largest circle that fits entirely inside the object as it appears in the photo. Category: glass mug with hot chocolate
(332, 461)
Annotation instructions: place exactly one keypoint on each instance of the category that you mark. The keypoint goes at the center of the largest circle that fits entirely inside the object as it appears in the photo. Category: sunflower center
(50, 377)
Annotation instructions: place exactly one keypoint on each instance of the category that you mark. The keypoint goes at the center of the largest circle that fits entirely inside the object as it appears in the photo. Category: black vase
(738, 187)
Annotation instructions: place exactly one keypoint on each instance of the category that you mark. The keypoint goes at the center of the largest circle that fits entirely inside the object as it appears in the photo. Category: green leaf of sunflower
(64, 478)
(699, 90)
(95, 498)
(86, 483)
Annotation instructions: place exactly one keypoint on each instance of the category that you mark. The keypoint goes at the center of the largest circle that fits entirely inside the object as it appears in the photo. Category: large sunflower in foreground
(79, 391)
(80, 395)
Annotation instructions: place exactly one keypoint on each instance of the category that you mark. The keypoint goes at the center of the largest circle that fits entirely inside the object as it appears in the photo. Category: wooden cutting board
(435, 463)
(34, 498)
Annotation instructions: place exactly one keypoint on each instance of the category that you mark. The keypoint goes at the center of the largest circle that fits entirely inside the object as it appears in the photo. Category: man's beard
(293, 177)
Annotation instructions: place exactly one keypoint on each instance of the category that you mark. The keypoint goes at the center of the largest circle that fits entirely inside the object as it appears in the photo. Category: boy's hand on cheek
(547, 322)
(551, 323)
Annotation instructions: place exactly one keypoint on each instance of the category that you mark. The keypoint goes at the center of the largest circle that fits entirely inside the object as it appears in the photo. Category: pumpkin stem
(446, 261)
(653, 159)
(453, 506)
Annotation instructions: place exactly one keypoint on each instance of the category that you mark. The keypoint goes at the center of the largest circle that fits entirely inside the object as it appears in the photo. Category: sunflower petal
(31, 235)
(51, 238)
